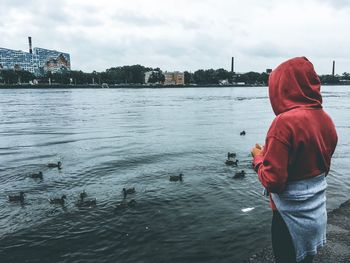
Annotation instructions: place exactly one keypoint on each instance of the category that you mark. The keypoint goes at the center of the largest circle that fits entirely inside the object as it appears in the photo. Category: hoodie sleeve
(272, 165)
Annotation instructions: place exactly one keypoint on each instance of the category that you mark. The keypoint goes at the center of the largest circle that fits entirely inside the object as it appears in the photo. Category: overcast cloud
(182, 34)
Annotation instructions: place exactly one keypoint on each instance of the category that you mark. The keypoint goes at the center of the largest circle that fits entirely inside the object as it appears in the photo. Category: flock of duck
(232, 161)
(82, 197)
(39, 175)
(84, 202)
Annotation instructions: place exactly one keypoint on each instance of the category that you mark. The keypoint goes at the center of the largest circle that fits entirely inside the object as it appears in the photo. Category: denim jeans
(282, 244)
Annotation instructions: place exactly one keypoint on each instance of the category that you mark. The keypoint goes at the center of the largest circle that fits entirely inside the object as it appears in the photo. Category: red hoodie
(302, 138)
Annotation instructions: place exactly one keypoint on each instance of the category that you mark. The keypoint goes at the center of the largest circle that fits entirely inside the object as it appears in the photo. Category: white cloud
(182, 34)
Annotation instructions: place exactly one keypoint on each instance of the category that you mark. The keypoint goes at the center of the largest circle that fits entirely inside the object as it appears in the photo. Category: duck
(37, 176)
(242, 133)
(231, 161)
(175, 178)
(125, 204)
(58, 201)
(127, 191)
(231, 155)
(90, 202)
(86, 203)
(17, 198)
(240, 174)
(132, 203)
(55, 165)
(83, 194)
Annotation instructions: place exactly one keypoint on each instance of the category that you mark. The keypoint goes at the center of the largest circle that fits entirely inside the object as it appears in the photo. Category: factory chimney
(233, 65)
(333, 68)
(30, 45)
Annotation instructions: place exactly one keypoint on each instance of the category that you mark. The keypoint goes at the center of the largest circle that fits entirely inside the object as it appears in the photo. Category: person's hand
(257, 150)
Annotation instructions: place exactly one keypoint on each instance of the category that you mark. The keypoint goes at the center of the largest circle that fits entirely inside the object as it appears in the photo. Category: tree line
(135, 75)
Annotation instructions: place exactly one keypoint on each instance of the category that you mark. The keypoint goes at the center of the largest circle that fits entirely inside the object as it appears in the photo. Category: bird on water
(55, 165)
(127, 191)
(37, 175)
(176, 178)
(16, 198)
(58, 201)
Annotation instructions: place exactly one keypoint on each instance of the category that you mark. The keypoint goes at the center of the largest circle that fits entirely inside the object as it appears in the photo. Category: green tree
(188, 77)
(264, 78)
(346, 76)
(156, 77)
(25, 76)
(204, 77)
(329, 79)
(9, 76)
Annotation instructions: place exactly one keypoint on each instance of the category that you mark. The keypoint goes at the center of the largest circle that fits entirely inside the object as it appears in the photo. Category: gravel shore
(337, 249)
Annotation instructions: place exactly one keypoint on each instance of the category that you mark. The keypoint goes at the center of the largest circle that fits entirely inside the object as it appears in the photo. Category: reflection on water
(109, 139)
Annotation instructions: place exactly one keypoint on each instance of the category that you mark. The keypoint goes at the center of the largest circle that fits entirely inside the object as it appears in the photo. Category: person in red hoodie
(295, 160)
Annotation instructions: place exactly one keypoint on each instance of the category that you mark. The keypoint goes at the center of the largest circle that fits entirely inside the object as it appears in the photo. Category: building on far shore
(174, 78)
(37, 61)
(56, 64)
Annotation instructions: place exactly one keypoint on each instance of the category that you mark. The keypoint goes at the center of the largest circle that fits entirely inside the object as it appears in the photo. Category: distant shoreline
(131, 86)
(120, 86)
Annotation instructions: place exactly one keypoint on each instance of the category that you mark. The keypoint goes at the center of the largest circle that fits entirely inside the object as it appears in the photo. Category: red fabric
(302, 138)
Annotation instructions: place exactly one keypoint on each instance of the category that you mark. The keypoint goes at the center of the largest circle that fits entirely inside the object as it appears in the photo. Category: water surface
(108, 139)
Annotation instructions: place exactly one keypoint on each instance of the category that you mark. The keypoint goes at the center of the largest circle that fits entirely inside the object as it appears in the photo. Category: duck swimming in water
(58, 201)
(83, 194)
(126, 204)
(175, 178)
(55, 165)
(82, 202)
(231, 161)
(86, 203)
(37, 176)
(231, 155)
(127, 191)
(242, 133)
(16, 198)
(89, 203)
(240, 174)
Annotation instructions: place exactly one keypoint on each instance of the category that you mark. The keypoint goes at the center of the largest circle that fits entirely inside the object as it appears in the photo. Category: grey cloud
(203, 37)
(267, 50)
(17, 3)
(188, 24)
(337, 3)
(150, 52)
(50, 17)
(136, 19)
(142, 20)
(46, 15)
(169, 49)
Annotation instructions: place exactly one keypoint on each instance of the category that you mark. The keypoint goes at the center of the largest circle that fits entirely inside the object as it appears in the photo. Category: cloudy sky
(182, 34)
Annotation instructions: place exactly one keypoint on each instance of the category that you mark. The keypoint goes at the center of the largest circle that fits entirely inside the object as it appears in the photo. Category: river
(108, 139)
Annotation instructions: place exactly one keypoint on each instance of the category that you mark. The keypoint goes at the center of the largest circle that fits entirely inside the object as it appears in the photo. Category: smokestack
(233, 65)
(30, 45)
(333, 69)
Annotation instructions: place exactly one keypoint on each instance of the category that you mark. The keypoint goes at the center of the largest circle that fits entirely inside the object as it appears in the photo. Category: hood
(294, 84)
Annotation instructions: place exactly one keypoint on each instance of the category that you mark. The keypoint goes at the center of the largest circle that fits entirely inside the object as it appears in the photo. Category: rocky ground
(337, 249)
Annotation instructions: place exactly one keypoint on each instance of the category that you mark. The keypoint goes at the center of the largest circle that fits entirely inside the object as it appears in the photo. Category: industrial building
(37, 61)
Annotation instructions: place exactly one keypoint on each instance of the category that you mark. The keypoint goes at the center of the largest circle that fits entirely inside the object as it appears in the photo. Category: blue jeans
(282, 244)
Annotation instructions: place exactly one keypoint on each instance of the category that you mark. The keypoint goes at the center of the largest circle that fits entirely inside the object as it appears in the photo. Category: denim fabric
(302, 206)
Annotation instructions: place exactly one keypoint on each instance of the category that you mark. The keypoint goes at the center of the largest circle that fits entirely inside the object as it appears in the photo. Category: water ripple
(111, 139)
